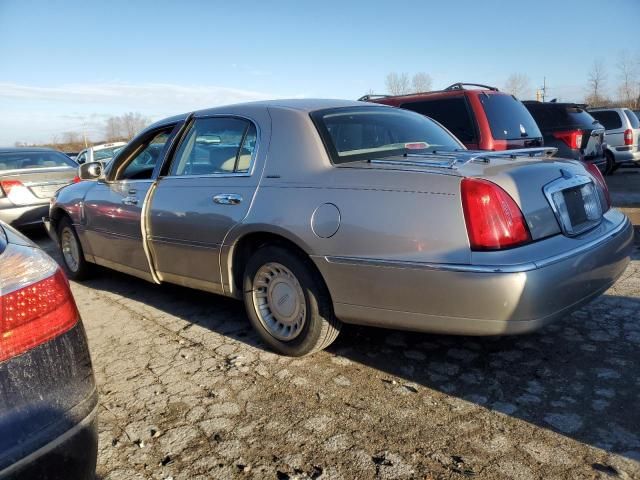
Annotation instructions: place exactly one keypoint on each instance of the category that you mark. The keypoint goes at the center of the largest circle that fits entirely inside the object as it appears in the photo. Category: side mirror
(80, 161)
(90, 171)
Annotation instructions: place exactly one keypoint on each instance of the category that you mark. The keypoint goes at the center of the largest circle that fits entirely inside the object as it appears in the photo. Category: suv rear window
(365, 133)
(450, 112)
(508, 117)
(608, 118)
(635, 123)
(549, 116)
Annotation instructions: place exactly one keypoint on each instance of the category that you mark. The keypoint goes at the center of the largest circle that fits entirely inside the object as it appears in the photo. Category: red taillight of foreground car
(493, 219)
(36, 304)
(628, 137)
(573, 138)
(597, 176)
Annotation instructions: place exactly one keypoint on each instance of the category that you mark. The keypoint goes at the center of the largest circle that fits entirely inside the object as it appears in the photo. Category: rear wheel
(287, 302)
(610, 166)
(73, 262)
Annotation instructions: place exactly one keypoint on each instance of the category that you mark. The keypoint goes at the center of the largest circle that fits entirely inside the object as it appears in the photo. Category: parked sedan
(28, 179)
(48, 399)
(319, 212)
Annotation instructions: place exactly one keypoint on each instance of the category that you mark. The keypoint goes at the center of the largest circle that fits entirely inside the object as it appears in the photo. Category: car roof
(299, 104)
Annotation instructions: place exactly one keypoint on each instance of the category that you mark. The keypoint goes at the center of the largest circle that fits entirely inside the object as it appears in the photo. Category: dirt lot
(187, 391)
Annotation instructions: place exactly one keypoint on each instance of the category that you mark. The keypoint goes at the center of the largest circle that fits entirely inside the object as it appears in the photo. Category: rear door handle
(130, 201)
(228, 199)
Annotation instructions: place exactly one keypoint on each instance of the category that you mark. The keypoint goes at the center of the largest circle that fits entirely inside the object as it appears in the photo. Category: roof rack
(371, 96)
(460, 86)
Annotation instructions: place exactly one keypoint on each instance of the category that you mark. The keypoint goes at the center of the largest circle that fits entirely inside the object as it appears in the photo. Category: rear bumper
(24, 216)
(622, 155)
(472, 300)
(71, 455)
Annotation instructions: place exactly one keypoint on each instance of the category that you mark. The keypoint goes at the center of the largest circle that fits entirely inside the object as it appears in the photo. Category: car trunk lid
(43, 183)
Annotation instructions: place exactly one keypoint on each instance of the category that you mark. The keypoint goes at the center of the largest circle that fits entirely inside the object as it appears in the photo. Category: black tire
(83, 269)
(610, 166)
(319, 328)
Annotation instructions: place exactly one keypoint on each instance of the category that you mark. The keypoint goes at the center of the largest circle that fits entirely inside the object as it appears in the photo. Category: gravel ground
(187, 391)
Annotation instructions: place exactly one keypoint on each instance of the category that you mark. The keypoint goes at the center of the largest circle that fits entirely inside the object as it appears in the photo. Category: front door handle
(130, 201)
(228, 199)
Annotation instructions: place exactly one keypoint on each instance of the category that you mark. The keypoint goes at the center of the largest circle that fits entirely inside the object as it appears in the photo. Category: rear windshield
(635, 123)
(106, 153)
(24, 160)
(609, 118)
(549, 116)
(365, 133)
(508, 117)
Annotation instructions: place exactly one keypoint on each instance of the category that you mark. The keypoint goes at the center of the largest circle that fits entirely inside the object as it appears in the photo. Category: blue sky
(69, 65)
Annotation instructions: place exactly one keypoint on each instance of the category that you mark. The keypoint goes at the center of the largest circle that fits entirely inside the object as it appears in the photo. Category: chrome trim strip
(145, 229)
(456, 267)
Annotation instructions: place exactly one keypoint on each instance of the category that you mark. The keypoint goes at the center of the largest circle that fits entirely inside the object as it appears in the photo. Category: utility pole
(544, 88)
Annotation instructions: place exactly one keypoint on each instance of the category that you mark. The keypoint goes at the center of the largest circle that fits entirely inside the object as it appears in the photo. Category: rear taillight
(573, 138)
(600, 181)
(493, 219)
(16, 191)
(36, 304)
(628, 137)
(8, 185)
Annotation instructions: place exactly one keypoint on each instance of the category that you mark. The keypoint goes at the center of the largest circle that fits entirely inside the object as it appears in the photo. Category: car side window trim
(185, 133)
(135, 150)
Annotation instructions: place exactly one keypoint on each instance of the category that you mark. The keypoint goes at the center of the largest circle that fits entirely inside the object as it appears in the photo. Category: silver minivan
(622, 135)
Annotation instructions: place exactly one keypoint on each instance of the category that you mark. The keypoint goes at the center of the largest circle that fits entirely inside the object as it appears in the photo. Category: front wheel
(287, 302)
(73, 262)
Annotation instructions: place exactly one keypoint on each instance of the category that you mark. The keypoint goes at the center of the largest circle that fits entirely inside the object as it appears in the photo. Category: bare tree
(518, 85)
(596, 84)
(71, 138)
(397, 84)
(421, 82)
(132, 123)
(113, 129)
(629, 81)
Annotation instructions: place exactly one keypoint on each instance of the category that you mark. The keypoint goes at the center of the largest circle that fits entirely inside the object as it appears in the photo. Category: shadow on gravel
(578, 377)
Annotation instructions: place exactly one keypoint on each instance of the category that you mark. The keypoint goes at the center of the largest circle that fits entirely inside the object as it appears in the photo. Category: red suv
(482, 117)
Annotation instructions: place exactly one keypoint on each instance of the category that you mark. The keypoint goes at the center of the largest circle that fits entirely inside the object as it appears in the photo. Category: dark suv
(572, 130)
(482, 117)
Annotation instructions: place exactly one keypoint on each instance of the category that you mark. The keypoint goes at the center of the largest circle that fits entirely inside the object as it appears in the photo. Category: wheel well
(56, 216)
(250, 243)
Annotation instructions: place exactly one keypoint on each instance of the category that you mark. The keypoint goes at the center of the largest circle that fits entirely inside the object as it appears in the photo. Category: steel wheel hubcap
(279, 301)
(70, 250)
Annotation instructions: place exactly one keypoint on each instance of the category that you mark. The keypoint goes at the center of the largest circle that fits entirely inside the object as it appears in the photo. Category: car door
(113, 208)
(207, 189)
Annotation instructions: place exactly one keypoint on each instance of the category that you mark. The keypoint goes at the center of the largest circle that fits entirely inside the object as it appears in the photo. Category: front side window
(452, 113)
(34, 160)
(141, 164)
(365, 133)
(216, 145)
(508, 117)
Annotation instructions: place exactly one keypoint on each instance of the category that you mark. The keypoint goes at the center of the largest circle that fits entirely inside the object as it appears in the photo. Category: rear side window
(560, 116)
(608, 118)
(635, 123)
(28, 160)
(453, 113)
(216, 145)
(508, 117)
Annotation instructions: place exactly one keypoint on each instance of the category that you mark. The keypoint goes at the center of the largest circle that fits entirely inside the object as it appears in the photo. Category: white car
(99, 153)
(622, 129)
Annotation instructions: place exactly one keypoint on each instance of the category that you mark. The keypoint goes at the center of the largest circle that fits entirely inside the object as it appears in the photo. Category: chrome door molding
(145, 230)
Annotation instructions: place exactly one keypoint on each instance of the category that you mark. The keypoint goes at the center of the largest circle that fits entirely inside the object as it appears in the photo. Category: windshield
(106, 153)
(23, 160)
(365, 133)
(508, 117)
